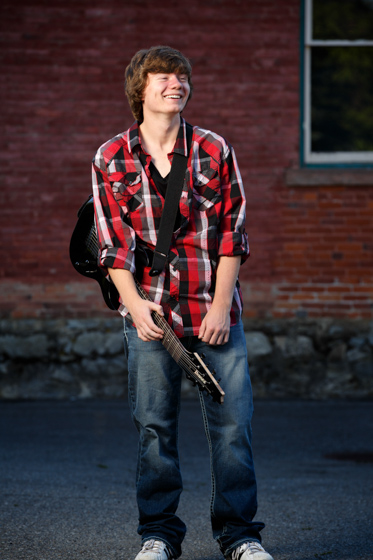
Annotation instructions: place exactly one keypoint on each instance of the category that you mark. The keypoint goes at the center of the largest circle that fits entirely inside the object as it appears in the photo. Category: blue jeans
(154, 385)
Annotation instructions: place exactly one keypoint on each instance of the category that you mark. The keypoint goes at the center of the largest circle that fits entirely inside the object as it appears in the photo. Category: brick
(291, 288)
(332, 297)
(314, 289)
(302, 297)
(364, 289)
(354, 298)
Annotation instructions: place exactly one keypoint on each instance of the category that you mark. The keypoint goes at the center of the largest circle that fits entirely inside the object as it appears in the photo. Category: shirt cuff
(232, 244)
(114, 257)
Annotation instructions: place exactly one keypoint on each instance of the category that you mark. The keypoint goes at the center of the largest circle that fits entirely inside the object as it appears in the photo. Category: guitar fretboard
(169, 340)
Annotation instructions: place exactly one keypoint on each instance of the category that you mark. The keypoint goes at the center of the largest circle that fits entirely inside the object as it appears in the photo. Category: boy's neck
(159, 133)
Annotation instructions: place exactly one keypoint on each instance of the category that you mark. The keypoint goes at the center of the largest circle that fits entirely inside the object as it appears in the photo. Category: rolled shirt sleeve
(116, 239)
(232, 238)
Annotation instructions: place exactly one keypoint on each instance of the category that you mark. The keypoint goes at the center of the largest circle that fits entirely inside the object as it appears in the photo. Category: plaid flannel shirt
(128, 207)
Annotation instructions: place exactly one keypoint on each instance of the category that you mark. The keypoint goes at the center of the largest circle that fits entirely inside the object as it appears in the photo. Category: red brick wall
(62, 96)
(322, 265)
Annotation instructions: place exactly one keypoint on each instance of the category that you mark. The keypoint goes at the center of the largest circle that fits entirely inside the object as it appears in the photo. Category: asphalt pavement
(67, 480)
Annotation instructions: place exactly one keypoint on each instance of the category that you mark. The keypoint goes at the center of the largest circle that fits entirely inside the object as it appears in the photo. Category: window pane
(342, 99)
(343, 19)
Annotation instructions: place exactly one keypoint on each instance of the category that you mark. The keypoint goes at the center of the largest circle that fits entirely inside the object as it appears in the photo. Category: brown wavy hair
(156, 60)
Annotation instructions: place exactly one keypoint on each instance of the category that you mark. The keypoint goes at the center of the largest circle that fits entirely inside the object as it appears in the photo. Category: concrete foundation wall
(62, 359)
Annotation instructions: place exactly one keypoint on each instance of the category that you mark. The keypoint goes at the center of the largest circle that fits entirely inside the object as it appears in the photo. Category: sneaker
(251, 550)
(154, 550)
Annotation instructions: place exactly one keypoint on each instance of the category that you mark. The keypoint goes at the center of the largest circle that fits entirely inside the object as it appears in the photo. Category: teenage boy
(197, 293)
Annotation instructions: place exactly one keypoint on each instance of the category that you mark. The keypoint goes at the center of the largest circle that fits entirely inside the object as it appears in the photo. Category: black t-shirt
(161, 184)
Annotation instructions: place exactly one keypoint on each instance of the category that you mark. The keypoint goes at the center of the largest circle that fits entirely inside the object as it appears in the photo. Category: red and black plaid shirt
(212, 210)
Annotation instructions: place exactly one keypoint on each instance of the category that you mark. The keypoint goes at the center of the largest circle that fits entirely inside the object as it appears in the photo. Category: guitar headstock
(197, 371)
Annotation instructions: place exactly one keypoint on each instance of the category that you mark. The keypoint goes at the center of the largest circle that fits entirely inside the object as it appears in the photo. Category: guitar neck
(169, 340)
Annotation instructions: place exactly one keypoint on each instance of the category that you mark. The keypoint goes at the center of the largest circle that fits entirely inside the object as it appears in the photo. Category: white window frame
(341, 158)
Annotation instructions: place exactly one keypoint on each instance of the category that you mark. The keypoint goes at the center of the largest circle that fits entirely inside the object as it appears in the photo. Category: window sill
(329, 177)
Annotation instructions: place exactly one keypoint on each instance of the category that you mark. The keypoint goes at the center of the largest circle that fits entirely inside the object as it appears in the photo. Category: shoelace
(156, 546)
(251, 546)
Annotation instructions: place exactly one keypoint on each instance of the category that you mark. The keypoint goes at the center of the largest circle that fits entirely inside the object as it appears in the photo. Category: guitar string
(172, 342)
(177, 349)
(184, 357)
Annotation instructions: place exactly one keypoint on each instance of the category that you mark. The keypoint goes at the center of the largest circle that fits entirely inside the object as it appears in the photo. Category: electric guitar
(83, 256)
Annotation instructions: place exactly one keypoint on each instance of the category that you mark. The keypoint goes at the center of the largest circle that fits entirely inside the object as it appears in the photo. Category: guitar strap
(173, 195)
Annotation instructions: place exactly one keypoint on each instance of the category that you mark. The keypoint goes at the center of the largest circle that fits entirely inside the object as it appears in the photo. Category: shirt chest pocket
(206, 189)
(127, 191)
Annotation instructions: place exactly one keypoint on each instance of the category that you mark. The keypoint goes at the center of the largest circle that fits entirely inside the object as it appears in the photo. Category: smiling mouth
(173, 97)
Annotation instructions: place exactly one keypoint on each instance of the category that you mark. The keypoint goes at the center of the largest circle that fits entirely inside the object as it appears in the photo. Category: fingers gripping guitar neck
(193, 365)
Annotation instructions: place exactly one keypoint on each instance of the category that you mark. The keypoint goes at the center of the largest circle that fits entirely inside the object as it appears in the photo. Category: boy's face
(165, 93)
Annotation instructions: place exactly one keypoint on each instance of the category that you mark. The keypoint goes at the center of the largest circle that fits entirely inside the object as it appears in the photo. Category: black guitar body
(83, 253)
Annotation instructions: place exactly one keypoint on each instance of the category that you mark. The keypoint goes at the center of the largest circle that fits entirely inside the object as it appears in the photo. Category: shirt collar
(180, 147)
(133, 137)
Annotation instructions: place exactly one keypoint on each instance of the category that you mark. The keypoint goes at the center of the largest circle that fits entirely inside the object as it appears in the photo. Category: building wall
(62, 96)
